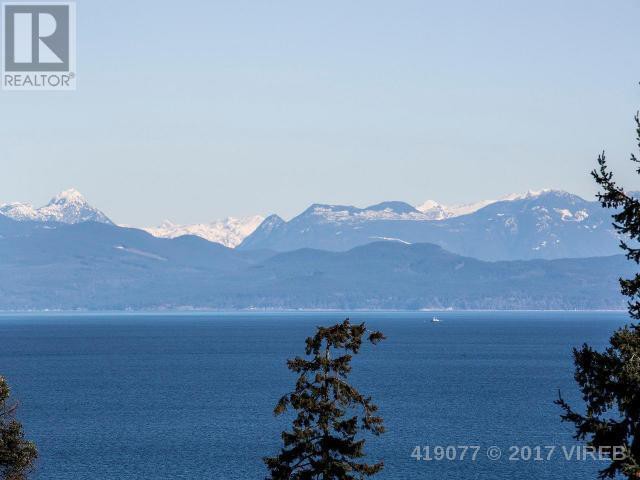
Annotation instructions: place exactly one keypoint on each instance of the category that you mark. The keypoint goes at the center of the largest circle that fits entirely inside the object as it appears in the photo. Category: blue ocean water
(191, 396)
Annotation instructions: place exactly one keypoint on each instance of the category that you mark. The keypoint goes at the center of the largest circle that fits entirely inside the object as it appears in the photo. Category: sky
(198, 110)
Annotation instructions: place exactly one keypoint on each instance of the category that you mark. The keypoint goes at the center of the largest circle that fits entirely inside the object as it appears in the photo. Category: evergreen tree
(322, 444)
(610, 380)
(17, 455)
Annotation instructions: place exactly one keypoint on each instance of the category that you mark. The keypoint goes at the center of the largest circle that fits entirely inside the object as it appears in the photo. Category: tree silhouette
(17, 455)
(610, 380)
(322, 444)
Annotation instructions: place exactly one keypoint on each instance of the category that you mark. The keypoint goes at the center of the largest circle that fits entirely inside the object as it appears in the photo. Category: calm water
(191, 396)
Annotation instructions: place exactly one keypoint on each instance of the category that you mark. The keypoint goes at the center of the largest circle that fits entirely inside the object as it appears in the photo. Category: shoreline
(281, 312)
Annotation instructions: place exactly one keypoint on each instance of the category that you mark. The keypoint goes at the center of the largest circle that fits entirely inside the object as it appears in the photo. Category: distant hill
(548, 225)
(99, 266)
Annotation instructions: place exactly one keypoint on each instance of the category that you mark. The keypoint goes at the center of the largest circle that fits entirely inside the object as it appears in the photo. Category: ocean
(191, 396)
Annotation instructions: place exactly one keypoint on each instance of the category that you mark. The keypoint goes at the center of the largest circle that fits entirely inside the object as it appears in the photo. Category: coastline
(178, 312)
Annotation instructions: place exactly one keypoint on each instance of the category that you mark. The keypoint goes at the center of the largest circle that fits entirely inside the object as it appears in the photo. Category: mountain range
(549, 224)
(539, 250)
(71, 207)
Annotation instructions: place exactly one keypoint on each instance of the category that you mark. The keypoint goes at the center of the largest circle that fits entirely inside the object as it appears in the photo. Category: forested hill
(98, 266)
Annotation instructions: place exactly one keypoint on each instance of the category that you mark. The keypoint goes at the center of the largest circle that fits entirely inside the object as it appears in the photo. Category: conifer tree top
(323, 442)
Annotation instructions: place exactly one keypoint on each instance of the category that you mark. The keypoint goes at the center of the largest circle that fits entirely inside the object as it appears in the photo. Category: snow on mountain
(229, 232)
(19, 211)
(428, 211)
(66, 207)
(381, 211)
(437, 211)
(536, 224)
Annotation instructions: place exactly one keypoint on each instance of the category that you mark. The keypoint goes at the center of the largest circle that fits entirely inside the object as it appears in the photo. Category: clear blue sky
(201, 109)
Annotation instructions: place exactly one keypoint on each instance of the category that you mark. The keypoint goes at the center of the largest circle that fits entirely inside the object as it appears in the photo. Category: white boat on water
(435, 320)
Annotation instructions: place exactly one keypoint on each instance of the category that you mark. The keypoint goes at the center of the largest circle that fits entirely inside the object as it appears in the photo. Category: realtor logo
(39, 46)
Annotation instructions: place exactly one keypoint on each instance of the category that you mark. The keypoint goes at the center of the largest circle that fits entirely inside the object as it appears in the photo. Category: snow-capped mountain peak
(19, 211)
(230, 231)
(68, 196)
(530, 194)
(68, 206)
(438, 211)
(428, 205)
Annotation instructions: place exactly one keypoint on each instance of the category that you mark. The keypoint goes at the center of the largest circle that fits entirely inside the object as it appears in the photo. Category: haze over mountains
(68, 255)
(98, 266)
